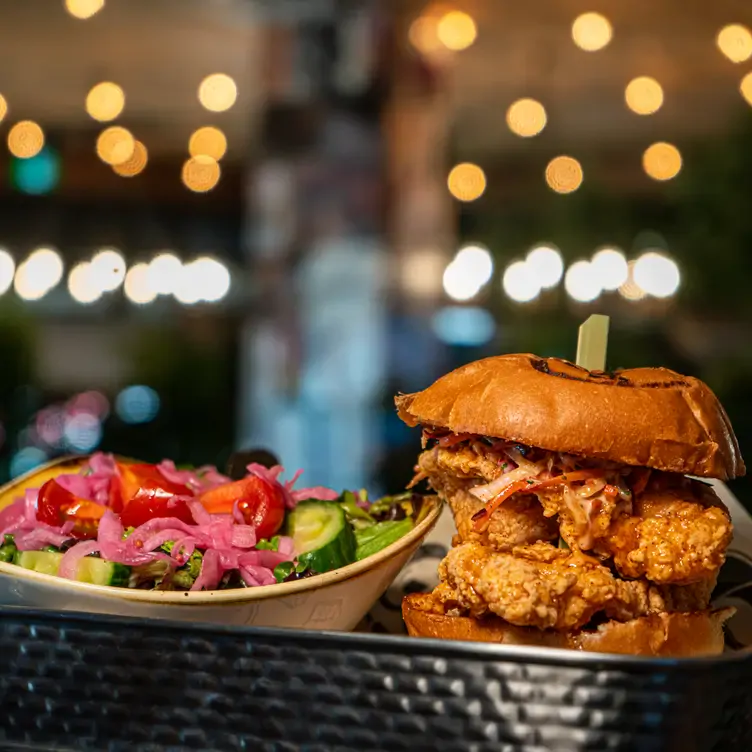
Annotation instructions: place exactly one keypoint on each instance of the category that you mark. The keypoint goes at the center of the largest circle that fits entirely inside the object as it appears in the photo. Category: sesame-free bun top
(650, 417)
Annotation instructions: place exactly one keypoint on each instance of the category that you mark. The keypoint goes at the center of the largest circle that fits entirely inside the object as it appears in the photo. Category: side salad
(158, 527)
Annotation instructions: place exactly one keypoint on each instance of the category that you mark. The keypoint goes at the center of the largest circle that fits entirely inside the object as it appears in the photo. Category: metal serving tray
(80, 682)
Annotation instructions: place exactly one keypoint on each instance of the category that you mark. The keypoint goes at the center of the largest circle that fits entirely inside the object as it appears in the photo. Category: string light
(105, 101)
(746, 88)
(546, 263)
(7, 270)
(564, 174)
(208, 141)
(137, 288)
(526, 117)
(591, 32)
(662, 161)
(115, 145)
(457, 30)
(136, 164)
(218, 92)
(3, 107)
(466, 182)
(108, 269)
(36, 276)
(424, 34)
(735, 42)
(581, 282)
(82, 285)
(520, 282)
(83, 9)
(644, 95)
(657, 274)
(201, 173)
(25, 139)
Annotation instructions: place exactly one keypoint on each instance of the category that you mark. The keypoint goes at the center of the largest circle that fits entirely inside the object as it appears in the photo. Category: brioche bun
(650, 417)
(666, 635)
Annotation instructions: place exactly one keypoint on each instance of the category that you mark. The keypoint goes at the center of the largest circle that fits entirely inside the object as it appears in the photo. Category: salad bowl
(333, 600)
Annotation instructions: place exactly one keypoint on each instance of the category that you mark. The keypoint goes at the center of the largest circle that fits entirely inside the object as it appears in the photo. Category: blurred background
(244, 223)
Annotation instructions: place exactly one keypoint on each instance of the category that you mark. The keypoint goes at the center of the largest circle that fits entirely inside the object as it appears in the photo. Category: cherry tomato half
(144, 493)
(262, 505)
(56, 506)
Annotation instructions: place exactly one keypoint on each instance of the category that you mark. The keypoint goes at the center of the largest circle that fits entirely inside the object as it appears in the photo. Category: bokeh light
(735, 42)
(466, 182)
(3, 107)
(526, 117)
(137, 288)
(25, 139)
(82, 284)
(662, 161)
(208, 141)
(82, 432)
(469, 271)
(115, 145)
(218, 92)
(26, 459)
(38, 274)
(630, 290)
(564, 174)
(204, 279)
(657, 274)
(591, 32)
(546, 263)
(581, 282)
(520, 282)
(424, 34)
(164, 273)
(200, 174)
(7, 270)
(105, 101)
(456, 30)
(108, 269)
(136, 164)
(421, 272)
(464, 326)
(746, 88)
(137, 404)
(83, 9)
(610, 267)
(644, 95)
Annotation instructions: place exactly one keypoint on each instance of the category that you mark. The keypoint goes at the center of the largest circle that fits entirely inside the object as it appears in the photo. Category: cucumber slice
(322, 536)
(373, 539)
(90, 569)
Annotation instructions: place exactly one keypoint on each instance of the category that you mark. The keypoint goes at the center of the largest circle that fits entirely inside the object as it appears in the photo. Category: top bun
(650, 417)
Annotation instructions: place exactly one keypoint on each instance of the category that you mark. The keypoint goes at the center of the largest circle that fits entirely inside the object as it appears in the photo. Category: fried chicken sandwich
(578, 525)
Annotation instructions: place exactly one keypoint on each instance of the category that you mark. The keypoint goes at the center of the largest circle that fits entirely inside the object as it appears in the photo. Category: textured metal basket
(86, 682)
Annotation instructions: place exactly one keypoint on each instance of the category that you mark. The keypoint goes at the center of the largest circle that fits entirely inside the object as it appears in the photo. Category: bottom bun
(668, 635)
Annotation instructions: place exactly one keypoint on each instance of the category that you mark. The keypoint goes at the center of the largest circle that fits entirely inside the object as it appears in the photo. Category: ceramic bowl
(336, 600)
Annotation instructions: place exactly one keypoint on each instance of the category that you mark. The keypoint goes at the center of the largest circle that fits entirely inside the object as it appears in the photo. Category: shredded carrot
(481, 518)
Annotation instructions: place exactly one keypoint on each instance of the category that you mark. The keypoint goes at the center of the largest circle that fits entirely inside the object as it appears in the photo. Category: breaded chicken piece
(670, 538)
(518, 521)
(551, 588)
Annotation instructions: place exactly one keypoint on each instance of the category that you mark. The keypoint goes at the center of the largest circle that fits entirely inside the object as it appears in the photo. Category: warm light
(746, 88)
(209, 142)
(424, 34)
(82, 285)
(164, 272)
(610, 267)
(36, 276)
(477, 261)
(115, 145)
(137, 287)
(204, 279)
(662, 161)
(546, 263)
(657, 274)
(564, 174)
(136, 164)
(25, 139)
(218, 92)
(460, 283)
(591, 32)
(630, 290)
(7, 270)
(105, 101)
(520, 282)
(3, 107)
(735, 42)
(467, 182)
(83, 9)
(201, 174)
(526, 118)
(581, 282)
(108, 270)
(644, 95)
(456, 30)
